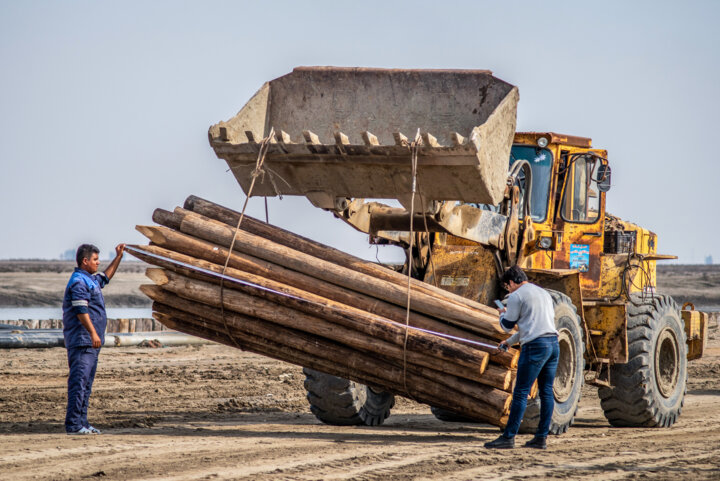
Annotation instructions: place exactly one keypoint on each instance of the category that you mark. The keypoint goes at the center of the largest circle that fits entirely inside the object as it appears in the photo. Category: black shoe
(501, 443)
(537, 443)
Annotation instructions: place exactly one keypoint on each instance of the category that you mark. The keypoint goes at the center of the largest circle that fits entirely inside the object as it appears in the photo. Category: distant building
(68, 255)
(708, 260)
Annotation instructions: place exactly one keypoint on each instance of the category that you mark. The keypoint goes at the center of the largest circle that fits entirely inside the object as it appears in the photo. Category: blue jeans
(538, 360)
(83, 364)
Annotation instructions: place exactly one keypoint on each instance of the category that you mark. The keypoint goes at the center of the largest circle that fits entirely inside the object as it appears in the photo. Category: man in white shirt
(530, 309)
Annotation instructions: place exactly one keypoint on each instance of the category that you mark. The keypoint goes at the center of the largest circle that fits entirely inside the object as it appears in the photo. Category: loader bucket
(345, 132)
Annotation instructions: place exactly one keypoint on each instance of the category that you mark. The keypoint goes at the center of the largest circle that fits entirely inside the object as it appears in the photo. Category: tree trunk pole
(213, 253)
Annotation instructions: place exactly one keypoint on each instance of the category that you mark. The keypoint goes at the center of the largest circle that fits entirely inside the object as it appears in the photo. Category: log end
(154, 233)
(151, 290)
(191, 201)
(166, 218)
(515, 357)
(484, 362)
(157, 275)
(167, 321)
(507, 383)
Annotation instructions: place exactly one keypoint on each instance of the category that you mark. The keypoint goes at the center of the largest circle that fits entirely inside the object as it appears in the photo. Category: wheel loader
(429, 160)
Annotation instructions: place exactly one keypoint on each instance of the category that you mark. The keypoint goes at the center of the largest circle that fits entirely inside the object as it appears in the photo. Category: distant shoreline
(55, 265)
(38, 283)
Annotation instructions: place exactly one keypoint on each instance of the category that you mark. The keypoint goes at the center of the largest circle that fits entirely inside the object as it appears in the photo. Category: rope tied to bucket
(414, 146)
(258, 171)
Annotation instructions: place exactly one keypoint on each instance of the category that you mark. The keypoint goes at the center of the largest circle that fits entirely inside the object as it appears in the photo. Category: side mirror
(604, 174)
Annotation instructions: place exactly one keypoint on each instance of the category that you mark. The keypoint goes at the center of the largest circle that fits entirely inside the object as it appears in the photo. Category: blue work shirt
(83, 295)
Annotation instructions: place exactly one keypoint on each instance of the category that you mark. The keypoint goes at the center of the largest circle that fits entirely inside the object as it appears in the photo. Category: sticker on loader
(579, 257)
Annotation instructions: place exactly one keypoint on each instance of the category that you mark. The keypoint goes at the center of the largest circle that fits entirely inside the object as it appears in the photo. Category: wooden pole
(422, 349)
(367, 368)
(276, 234)
(462, 316)
(183, 325)
(213, 253)
(353, 361)
(276, 297)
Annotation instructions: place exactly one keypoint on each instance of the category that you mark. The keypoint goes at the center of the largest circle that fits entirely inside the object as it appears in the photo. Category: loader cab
(570, 180)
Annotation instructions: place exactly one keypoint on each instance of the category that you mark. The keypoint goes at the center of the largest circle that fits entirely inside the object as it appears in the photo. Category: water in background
(16, 313)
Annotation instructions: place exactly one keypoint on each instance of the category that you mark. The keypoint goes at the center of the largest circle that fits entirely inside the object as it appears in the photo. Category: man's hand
(110, 271)
(502, 311)
(502, 347)
(84, 319)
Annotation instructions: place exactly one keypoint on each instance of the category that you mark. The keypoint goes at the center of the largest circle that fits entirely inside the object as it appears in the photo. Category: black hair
(515, 274)
(85, 251)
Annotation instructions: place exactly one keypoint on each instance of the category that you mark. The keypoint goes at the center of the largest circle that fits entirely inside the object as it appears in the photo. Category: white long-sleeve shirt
(530, 308)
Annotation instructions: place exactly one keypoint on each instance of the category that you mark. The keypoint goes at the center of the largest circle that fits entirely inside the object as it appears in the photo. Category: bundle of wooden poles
(293, 299)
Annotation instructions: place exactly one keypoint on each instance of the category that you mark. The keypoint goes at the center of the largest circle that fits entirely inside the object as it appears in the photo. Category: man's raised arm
(110, 271)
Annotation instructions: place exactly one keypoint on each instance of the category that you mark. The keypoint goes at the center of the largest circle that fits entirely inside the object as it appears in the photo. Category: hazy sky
(105, 106)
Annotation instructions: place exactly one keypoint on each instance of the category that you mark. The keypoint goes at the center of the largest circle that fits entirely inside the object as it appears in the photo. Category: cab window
(581, 201)
(540, 161)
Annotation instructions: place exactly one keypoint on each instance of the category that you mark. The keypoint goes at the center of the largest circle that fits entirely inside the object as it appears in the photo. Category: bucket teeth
(457, 139)
(400, 139)
(313, 144)
(370, 143)
(341, 139)
(283, 137)
(224, 137)
(310, 142)
(369, 139)
(429, 140)
(311, 138)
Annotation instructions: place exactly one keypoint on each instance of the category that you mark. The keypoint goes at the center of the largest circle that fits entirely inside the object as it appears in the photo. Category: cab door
(580, 217)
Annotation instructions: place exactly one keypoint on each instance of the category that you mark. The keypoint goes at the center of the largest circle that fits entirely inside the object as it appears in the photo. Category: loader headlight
(542, 142)
(545, 243)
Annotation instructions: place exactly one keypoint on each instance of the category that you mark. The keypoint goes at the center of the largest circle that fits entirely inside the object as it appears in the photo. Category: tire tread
(630, 402)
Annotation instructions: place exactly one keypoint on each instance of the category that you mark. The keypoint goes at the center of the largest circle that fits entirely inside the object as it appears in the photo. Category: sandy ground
(214, 412)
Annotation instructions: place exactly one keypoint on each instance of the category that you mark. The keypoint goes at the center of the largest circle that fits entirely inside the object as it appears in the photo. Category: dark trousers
(538, 360)
(83, 364)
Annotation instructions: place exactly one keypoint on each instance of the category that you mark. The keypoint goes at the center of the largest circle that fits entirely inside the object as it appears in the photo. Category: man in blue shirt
(84, 323)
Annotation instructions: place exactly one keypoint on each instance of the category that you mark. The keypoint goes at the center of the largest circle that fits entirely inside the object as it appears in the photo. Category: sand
(214, 412)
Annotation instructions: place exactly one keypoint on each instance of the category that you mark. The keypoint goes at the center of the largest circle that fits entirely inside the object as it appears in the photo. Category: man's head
(88, 258)
(513, 278)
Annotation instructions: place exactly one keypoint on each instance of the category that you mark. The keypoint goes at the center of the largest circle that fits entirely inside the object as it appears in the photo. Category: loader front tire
(569, 377)
(649, 390)
(340, 402)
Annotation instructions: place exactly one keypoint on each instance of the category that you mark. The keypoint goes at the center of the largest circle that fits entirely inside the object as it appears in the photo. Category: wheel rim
(566, 369)
(667, 366)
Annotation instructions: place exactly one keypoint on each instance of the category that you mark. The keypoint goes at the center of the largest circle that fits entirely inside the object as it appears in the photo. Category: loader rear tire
(340, 402)
(649, 390)
(569, 377)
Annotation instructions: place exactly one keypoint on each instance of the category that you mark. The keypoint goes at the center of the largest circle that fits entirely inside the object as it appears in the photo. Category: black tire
(570, 376)
(340, 402)
(649, 390)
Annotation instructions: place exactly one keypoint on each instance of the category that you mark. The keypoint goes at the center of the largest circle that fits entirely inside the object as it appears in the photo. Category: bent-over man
(84, 323)
(530, 308)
